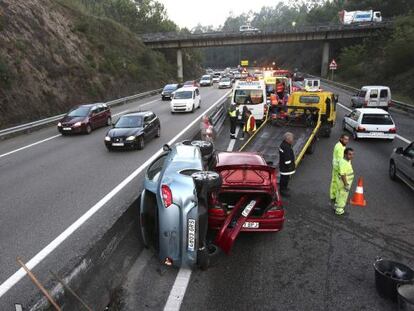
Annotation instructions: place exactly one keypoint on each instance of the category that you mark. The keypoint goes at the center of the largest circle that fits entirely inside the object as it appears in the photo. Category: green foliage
(2, 21)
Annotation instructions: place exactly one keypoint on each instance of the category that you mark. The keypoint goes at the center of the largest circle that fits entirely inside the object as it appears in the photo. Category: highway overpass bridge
(322, 33)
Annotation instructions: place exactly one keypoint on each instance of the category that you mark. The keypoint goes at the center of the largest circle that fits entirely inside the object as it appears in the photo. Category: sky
(188, 13)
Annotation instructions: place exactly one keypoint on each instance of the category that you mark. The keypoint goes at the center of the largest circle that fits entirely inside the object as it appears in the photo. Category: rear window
(384, 93)
(373, 94)
(309, 99)
(379, 119)
(183, 95)
(248, 97)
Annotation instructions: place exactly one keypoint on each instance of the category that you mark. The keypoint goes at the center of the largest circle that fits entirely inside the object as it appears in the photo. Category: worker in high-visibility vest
(338, 154)
(250, 125)
(233, 120)
(346, 177)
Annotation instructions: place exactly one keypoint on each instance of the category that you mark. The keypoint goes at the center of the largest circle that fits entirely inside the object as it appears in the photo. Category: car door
(147, 127)
(405, 163)
(383, 97)
(198, 97)
(350, 121)
(94, 117)
(373, 98)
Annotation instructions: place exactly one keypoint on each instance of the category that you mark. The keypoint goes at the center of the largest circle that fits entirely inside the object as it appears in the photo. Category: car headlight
(107, 138)
(77, 124)
(59, 124)
(129, 138)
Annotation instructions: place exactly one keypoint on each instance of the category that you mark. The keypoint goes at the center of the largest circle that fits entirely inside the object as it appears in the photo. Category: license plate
(251, 225)
(118, 144)
(248, 208)
(191, 234)
(377, 133)
(67, 128)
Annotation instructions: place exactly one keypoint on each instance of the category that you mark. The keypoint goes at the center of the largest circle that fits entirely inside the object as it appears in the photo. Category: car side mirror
(166, 147)
(399, 150)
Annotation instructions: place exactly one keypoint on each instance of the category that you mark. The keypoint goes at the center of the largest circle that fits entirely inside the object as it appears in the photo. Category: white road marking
(233, 141)
(178, 290)
(53, 137)
(397, 136)
(48, 249)
(28, 146)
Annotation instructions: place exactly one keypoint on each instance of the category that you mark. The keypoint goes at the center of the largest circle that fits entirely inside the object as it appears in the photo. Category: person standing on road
(233, 112)
(346, 177)
(250, 125)
(207, 130)
(244, 120)
(287, 166)
(338, 154)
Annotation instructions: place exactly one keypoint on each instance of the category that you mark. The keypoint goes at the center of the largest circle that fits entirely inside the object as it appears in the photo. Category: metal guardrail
(36, 124)
(395, 103)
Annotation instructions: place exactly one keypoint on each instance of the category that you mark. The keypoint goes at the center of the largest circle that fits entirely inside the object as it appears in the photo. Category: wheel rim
(392, 169)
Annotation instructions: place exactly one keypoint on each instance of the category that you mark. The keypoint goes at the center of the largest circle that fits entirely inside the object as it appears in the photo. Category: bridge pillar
(325, 59)
(180, 74)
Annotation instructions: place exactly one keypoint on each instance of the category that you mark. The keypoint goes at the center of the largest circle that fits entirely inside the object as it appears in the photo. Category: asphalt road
(48, 186)
(319, 261)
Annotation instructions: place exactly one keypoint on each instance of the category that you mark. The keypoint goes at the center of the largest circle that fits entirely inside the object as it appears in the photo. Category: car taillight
(392, 130)
(389, 103)
(168, 261)
(361, 129)
(166, 195)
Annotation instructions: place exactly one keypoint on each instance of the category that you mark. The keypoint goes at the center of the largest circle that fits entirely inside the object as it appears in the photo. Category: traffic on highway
(250, 184)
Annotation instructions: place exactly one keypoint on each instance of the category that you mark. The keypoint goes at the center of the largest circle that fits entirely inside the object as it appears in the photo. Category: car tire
(209, 179)
(206, 147)
(203, 259)
(193, 108)
(158, 132)
(109, 121)
(392, 171)
(141, 143)
(199, 105)
(88, 129)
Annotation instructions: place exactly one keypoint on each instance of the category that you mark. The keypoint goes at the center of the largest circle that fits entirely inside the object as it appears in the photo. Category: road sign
(244, 63)
(333, 65)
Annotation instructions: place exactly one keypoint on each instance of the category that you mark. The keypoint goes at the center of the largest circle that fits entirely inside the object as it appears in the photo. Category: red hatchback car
(248, 199)
(85, 118)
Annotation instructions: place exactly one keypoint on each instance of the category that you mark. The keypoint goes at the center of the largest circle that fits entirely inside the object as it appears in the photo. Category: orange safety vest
(248, 126)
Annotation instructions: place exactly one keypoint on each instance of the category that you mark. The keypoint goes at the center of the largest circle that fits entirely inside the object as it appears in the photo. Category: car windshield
(225, 80)
(183, 95)
(248, 97)
(79, 112)
(379, 119)
(129, 122)
(170, 88)
(205, 78)
(188, 83)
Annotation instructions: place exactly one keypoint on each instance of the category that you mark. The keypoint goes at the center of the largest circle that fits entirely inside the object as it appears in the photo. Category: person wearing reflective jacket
(346, 177)
(338, 154)
(287, 166)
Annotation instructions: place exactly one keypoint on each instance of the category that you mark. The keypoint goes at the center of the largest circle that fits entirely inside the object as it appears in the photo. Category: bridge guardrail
(37, 124)
(395, 103)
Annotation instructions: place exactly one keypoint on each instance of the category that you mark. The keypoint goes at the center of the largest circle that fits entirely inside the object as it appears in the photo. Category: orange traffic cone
(358, 198)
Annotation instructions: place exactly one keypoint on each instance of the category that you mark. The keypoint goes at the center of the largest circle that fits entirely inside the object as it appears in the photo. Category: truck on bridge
(357, 17)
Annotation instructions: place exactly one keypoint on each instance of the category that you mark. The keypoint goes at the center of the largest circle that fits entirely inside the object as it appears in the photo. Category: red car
(191, 83)
(248, 199)
(85, 118)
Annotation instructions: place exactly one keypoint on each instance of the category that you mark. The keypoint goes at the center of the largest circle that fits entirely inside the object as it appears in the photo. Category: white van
(186, 99)
(372, 97)
(251, 94)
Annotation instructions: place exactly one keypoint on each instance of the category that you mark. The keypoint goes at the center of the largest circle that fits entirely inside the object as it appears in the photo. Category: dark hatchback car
(167, 91)
(85, 118)
(133, 130)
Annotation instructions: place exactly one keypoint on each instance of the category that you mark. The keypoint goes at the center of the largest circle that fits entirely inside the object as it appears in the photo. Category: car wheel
(158, 132)
(88, 128)
(203, 259)
(206, 147)
(209, 179)
(141, 143)
(199, 105)
(109, 121)
(192, 109)
(392, 171)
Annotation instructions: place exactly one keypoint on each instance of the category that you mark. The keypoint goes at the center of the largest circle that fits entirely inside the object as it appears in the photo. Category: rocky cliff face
(54, 56)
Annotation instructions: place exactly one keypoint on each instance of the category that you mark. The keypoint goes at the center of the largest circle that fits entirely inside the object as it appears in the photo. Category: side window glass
(384, 93)
(155, 169)
(410, 151)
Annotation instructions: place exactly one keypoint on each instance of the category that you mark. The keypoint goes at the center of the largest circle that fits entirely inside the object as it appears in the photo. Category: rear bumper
(375, 135)
(266, 224)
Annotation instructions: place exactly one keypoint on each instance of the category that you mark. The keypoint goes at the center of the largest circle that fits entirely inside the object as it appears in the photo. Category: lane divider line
(233, 141)
(48, 249)
(28, 146)
(397, 136)
(55, 136)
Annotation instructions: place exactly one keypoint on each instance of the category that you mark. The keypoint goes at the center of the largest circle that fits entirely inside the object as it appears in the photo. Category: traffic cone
(358, 198)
